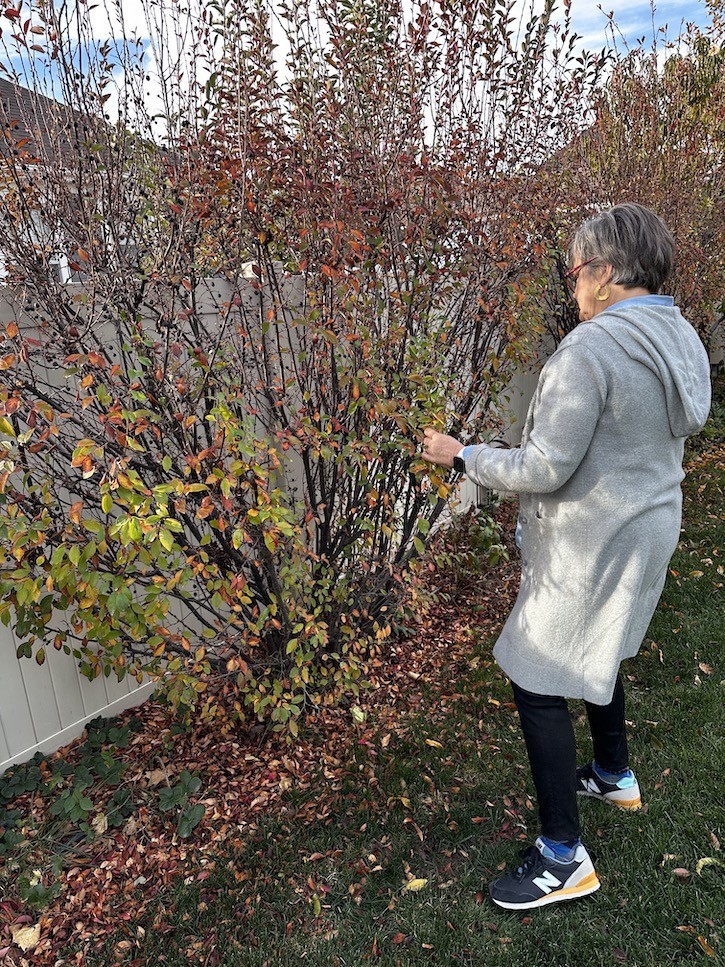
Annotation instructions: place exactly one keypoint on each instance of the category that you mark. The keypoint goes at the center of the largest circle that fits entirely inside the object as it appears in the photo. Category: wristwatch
(459, 464)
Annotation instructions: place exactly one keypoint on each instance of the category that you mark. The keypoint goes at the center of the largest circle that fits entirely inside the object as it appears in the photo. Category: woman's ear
(605, 273)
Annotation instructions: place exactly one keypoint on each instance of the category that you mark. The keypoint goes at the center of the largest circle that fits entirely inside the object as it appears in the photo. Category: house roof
(33, 126)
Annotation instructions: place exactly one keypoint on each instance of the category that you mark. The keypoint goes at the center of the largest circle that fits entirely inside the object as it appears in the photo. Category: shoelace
(531, 859)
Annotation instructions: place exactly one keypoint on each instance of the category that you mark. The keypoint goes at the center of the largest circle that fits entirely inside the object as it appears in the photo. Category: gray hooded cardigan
(599, 471)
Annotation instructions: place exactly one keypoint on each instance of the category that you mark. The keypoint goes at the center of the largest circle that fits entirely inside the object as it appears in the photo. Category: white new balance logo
(547, 882)
(591, 786)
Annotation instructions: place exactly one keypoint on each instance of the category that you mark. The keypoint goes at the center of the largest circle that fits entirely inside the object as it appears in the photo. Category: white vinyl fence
(44, 707)
(518, 396)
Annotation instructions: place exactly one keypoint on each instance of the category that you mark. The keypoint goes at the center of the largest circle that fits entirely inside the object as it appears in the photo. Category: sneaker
(624, 793)
(541, 880)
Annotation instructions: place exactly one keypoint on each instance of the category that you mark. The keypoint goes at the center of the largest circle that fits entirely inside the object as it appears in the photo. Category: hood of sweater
(661, 339)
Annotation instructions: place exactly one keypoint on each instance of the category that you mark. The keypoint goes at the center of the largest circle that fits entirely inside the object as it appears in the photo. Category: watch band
(459, 464)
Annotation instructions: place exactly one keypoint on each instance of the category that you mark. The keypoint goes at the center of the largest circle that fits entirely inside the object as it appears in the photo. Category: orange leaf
(706, 947)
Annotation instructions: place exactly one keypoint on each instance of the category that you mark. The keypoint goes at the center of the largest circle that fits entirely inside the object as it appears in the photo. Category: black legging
(549, 736)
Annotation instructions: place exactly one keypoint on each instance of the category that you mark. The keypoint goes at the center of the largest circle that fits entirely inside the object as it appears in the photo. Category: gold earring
(599, 296)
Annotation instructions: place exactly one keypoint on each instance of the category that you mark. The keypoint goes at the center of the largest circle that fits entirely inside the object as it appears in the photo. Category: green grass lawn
(448, 800)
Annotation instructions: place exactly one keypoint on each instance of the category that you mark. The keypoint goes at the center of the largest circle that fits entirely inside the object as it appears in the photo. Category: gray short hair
(632, 239)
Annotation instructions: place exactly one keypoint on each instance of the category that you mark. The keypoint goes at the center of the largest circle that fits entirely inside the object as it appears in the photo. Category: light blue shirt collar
(645, 300)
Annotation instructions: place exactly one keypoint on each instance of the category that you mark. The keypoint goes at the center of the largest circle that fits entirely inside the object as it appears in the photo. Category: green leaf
(189, 819)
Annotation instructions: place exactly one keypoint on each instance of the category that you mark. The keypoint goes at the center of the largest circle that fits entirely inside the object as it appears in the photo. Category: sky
(634, 18)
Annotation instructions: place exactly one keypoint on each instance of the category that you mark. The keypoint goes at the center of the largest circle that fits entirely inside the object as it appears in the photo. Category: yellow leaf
(358, 716)
(707, 861)
(432, 742)
(412, 886)
(100, 823)
(166, 539)
(26, 937)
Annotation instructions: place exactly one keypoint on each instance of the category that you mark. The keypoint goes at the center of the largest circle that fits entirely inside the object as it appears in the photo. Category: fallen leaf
(434, 743)
(707, 861)
(412, 886)
(156, 777)
(358, 716)
(707, 669)
(706, 947)
(620, 954)
(398, 938)
(681, 873)
(385, 741)
(26, 937)
(715, 841)
(100, 824)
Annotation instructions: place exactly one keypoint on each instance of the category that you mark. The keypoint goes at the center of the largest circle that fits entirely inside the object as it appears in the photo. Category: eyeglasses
(572, 275)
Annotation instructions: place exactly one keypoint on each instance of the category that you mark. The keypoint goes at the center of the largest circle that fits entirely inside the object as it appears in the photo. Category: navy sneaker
(624, 793)
(541, 879)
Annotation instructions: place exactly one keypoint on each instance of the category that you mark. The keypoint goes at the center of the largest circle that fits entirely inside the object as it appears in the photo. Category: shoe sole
(631, 805)
(588, 885)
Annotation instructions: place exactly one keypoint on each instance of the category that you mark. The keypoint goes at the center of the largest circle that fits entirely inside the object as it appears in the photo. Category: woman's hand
(439, 448)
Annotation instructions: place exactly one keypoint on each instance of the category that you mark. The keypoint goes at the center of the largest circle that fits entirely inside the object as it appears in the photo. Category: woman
(598, 472)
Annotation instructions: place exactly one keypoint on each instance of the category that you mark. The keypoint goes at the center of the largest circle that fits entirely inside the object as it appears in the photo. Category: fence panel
(44, 707)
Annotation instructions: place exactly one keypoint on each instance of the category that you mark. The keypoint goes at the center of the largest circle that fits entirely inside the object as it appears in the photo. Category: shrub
(210, 465)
